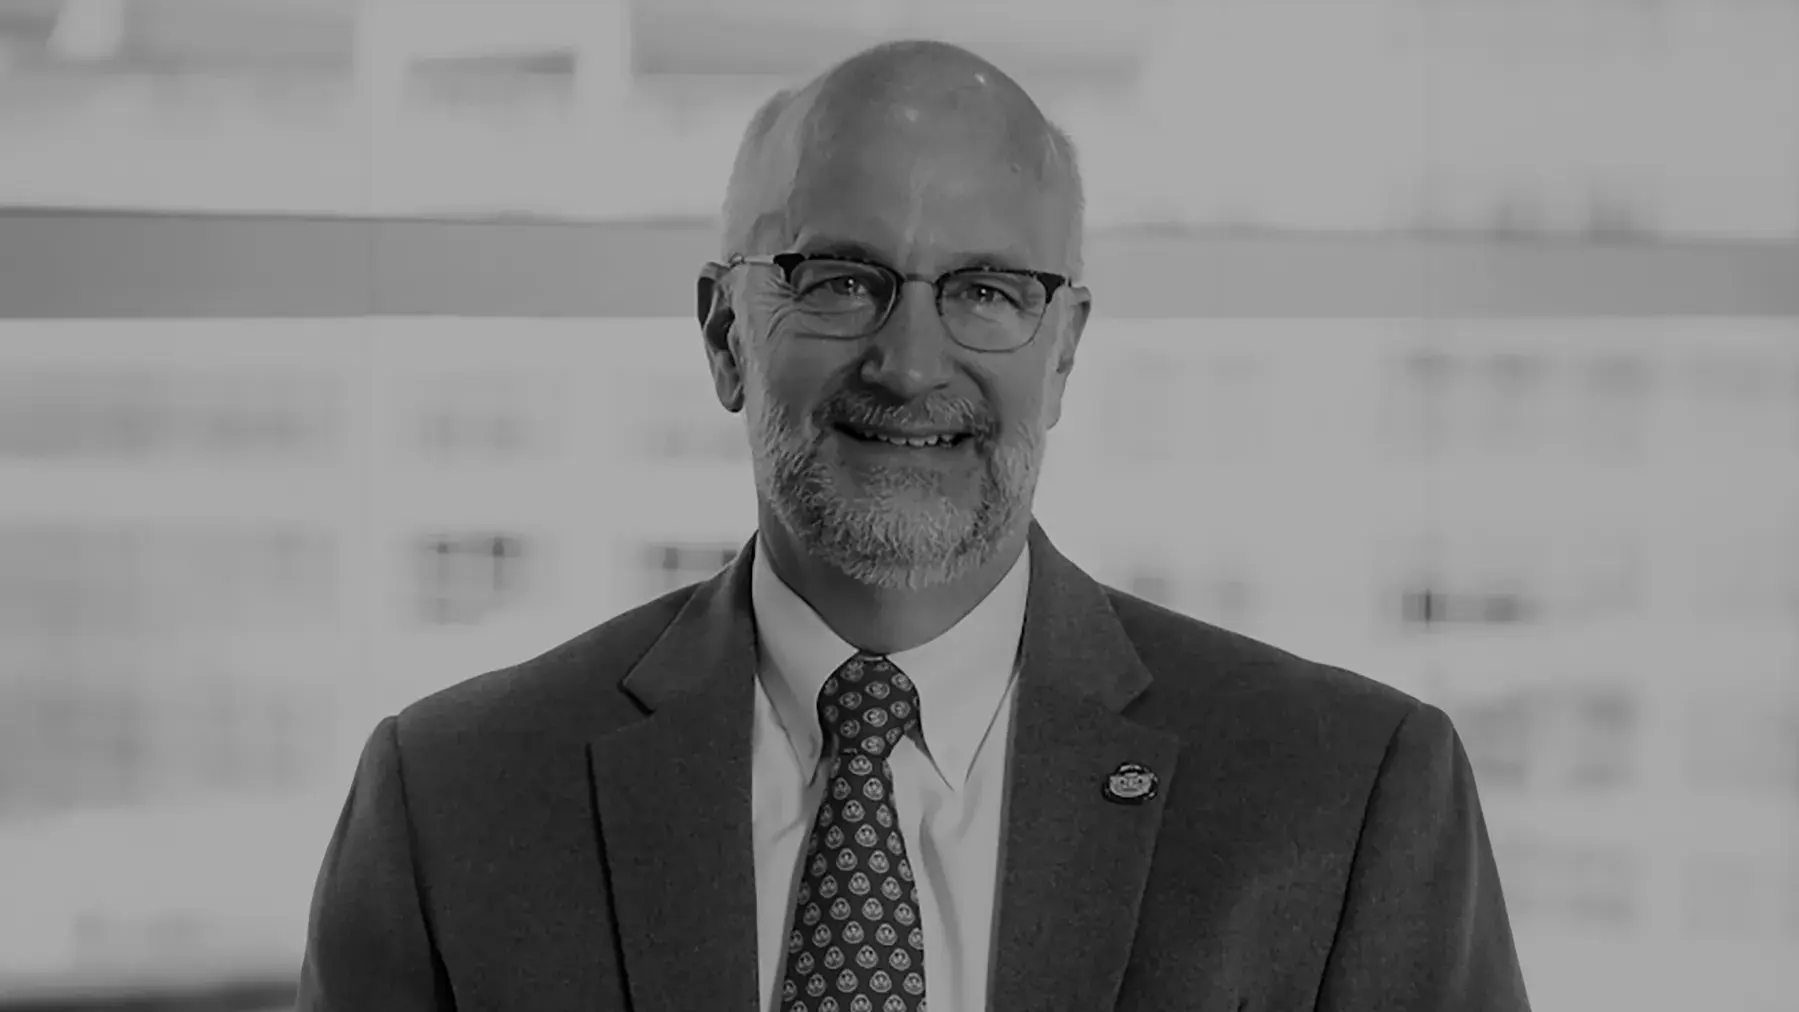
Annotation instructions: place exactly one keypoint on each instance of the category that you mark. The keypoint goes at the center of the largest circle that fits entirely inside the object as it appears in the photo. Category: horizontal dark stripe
(83, 264)
(220, 998)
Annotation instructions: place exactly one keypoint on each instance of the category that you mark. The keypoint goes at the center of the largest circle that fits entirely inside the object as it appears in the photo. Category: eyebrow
(854, 249)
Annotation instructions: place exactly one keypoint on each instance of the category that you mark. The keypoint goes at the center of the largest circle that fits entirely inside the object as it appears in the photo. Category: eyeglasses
(984, 309)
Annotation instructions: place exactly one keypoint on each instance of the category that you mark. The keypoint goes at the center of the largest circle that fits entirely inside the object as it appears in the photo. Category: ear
(1073, 326)
(713, 305)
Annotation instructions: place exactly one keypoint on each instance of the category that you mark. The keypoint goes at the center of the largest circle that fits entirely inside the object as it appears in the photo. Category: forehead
(926, 197)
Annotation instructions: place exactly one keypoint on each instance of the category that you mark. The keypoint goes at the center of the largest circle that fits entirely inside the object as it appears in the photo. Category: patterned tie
(856, 944)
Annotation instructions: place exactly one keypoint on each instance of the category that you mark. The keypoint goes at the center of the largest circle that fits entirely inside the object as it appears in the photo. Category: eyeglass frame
(787, 262)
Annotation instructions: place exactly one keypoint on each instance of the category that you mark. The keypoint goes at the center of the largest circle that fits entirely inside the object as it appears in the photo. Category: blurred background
(346, 352)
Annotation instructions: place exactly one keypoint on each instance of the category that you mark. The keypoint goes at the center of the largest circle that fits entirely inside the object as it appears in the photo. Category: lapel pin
(1130, 784)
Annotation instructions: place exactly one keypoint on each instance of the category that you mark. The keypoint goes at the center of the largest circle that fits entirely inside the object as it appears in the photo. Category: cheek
(793, 376)
(776, 339)
(1022, 395)
(769, 314)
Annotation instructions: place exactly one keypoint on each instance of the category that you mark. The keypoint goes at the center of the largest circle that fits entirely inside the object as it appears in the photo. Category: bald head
(904, 96)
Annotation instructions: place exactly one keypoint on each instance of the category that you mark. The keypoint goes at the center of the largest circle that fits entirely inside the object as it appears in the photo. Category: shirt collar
(961, 675)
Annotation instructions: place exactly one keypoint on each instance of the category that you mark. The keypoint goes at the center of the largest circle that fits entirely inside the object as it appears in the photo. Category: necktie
(856, 944)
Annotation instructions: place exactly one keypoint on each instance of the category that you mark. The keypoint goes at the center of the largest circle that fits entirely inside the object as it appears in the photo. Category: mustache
(957, 413)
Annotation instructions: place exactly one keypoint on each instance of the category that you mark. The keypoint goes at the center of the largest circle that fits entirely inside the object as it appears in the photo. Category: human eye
(846, 285)
(826, 282)
(989, 290)
(989, 293)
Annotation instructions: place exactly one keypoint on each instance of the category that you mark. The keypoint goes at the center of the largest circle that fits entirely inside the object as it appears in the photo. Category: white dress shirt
(946, 795)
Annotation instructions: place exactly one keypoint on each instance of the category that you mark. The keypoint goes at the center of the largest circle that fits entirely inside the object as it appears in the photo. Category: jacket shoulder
(1265, 693)
(572, 689)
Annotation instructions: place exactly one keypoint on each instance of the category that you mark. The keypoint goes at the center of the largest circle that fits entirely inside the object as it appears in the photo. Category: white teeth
(918, 443)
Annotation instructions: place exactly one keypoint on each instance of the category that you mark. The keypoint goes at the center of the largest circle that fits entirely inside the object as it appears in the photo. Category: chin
(894, 545)
(890, 528)
(886, 573)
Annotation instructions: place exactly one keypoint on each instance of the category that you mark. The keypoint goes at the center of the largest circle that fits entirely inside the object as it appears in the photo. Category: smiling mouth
(940, 441)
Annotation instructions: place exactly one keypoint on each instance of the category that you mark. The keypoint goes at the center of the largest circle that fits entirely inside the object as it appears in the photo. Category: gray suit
(574, 832)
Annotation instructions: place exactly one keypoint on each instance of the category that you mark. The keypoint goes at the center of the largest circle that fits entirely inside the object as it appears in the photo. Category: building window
(1603, 886)
(1157, 588)
(1617, 389)
(1423, 393)
(503, 84)
(53, 412)
(479, 417)
(1139, 407)
(1513, 387)
(1581, 739)
(1498, 733)
(1744, 744)
(694, 439)
(1725, 896)
(1426, 604)
(464, 578)
(673, 565)
(87, 738)
(1609, 583)
(65, 578)
(1789, 914)
(1230, 600)
(1583, 886)
(1601, 738)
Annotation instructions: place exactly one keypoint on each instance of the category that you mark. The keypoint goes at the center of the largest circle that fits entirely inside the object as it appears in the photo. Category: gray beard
(905, 533)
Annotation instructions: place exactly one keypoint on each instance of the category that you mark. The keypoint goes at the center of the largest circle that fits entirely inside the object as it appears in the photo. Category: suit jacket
(574, 832)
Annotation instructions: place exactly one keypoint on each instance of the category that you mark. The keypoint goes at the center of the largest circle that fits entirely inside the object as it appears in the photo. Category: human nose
(911, 353)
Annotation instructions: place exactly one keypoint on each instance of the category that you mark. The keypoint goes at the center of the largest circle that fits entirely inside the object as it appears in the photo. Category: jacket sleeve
(368, 946)
(1424, 925)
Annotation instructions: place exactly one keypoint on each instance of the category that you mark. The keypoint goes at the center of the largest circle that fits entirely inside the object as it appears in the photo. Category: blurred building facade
(345, 353)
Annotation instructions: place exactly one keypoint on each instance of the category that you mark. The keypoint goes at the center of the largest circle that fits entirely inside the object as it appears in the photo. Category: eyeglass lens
(993, 310)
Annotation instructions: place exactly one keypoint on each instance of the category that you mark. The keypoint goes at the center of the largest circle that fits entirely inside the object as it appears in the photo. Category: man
(902, 752)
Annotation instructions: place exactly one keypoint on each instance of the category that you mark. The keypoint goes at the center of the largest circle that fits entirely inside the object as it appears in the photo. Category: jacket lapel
(1073, 864)
(672, 792)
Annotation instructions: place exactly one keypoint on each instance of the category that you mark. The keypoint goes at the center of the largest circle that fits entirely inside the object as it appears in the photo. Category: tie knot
(869, 704)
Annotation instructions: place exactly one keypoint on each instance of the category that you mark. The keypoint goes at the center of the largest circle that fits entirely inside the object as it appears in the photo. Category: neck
(877, 619)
